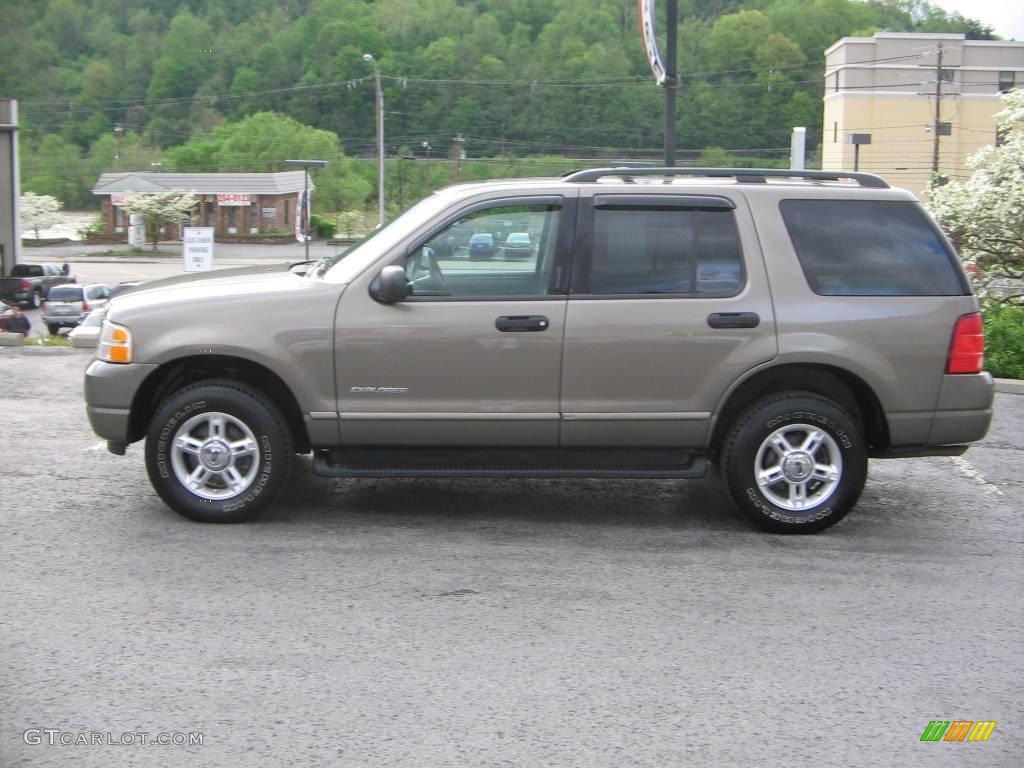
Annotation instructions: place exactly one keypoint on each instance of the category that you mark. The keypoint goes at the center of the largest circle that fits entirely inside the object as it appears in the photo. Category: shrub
(96, 227)
(350, 221)
(324, 227)
(1004, 340)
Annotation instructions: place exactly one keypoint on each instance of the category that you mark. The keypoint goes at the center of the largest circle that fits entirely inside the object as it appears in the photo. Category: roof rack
(742, 175)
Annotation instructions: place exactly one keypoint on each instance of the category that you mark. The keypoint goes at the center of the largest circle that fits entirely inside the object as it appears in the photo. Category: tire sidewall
(765, 418)
(267, 425)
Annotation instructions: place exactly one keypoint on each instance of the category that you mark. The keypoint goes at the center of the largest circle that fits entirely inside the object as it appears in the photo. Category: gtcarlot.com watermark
(55, 736)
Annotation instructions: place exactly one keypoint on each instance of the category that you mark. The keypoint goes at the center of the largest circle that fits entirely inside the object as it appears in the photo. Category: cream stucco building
(884, 89)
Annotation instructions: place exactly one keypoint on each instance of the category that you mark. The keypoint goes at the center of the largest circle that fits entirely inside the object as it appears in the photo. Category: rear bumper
(964, 411)
(66, 321)
(110, 390)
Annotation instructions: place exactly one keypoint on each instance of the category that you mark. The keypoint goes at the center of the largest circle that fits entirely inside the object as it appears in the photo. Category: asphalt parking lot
(497, 623)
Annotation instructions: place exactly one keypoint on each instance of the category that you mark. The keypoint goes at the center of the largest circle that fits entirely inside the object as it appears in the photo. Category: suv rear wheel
(218, 452)
(795, 463)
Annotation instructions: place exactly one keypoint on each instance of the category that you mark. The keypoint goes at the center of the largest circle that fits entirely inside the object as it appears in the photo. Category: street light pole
(305, 165)
(380, 137)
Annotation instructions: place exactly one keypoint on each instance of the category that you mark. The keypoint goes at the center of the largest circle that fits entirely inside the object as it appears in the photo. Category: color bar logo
(958, 730)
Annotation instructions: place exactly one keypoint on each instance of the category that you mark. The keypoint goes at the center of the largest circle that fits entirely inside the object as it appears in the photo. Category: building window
(1006, 81)
(945, 129)
(835, 83)
(1001, 136)
(947, 75)
(835, 132)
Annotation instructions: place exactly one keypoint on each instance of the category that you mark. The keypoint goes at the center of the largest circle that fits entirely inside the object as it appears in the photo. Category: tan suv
(784, 325)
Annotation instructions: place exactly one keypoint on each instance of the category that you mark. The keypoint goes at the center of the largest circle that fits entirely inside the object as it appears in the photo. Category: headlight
(115, 344)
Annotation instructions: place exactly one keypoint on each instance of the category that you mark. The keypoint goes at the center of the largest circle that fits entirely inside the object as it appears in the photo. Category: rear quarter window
(65, 293)
(681, 251)
(871, 248)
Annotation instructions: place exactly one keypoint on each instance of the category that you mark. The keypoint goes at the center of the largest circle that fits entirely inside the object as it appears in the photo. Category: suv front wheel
(795, 463)
(218, 452)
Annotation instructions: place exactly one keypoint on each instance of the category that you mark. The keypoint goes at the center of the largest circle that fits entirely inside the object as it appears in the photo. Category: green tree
(261, 142)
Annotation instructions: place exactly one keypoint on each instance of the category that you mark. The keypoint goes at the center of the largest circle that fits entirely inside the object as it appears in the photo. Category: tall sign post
(198, 248)
(302, 212)
(798, 148)
(136, 230)
(664, 70)
(10, 186)
(858, 140)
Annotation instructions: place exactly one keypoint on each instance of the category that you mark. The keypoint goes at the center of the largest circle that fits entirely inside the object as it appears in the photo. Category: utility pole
(938, 111)
(671, 81)
(458, 153)
(118, 130)
(380, 137)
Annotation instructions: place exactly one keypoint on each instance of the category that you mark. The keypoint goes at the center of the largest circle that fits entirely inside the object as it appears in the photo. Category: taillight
(967, 347)
(85, 305)
(25, 285)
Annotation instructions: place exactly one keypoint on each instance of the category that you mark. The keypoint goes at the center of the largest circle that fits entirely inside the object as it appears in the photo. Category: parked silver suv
(784, 325)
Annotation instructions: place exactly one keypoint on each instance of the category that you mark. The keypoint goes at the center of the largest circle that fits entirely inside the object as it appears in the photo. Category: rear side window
(687, 251)
(26, 270)
(871, 248)
(65, 293)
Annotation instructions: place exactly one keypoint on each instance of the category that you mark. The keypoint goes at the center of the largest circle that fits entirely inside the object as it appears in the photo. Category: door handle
(734, 320)
(518, 323)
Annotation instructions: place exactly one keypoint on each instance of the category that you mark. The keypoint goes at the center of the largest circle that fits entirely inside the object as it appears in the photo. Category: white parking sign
(198, 245)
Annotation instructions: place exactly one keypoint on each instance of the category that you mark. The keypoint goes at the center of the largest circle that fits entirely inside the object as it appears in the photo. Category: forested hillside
(107, 84)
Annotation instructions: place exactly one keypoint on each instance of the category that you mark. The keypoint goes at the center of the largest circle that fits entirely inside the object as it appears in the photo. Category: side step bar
(537, 463)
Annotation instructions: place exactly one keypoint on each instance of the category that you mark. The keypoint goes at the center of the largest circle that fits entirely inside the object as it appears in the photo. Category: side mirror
(390, 286)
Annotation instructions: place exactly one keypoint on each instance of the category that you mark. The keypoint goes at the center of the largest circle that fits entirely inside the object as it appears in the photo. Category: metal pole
(938, 111)
(671, 81)
(305, 213)
(856, 157)
(380, 145)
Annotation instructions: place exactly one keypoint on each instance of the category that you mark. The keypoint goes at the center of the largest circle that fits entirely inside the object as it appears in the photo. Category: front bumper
(110, 390)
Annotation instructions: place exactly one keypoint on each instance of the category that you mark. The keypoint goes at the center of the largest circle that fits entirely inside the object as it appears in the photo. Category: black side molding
(734, 320)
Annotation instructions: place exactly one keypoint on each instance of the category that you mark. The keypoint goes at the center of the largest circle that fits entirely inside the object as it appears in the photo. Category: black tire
(840, 460)
(53, 329)
(266, 467)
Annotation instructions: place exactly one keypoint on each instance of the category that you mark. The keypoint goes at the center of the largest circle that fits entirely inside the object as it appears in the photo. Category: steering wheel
(424, 270)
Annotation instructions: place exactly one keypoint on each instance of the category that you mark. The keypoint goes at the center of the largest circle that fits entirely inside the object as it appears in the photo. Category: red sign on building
(233, 198)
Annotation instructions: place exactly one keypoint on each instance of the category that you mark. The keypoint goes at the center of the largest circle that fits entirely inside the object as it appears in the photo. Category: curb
(1010, 386)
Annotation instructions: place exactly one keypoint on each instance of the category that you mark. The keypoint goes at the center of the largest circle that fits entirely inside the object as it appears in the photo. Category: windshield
(343, 267)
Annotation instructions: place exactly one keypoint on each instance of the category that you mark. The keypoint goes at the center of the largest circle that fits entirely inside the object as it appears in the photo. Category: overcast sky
(1006, 17)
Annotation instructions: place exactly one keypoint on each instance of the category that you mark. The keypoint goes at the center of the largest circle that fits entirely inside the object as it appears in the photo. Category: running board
(537, 463)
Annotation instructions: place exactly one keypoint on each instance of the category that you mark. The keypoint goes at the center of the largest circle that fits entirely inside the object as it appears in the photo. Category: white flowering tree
(984, 216)
(39, 212)
(158, 209)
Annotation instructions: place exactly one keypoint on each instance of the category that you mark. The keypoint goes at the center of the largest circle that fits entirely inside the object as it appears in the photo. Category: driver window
(503, 252)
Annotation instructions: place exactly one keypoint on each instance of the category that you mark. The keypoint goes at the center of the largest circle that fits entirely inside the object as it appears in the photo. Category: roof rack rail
(742, 175)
